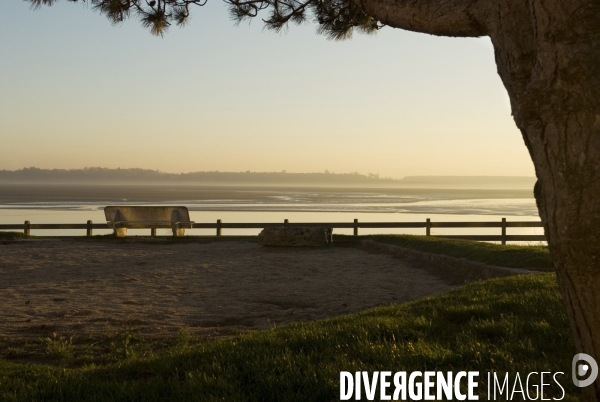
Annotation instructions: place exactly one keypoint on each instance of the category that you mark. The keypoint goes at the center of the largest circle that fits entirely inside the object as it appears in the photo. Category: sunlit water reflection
(298, 209)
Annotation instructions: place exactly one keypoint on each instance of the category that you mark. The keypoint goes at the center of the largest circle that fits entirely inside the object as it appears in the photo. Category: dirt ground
(156, 288)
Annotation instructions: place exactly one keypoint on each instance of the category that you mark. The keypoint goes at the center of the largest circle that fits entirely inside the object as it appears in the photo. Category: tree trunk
(548, 57)
(568, 197)
(555, 97)
(565, 145)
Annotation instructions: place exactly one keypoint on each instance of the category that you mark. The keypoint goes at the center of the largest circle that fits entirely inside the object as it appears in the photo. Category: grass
(14, 236)
(515, 324)
(532, 257)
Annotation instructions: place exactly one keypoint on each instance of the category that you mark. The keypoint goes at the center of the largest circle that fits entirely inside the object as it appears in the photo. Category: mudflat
(105, 193)
(81, 286)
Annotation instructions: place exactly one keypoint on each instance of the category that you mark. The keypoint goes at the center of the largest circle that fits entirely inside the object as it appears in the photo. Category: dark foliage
(336, 19)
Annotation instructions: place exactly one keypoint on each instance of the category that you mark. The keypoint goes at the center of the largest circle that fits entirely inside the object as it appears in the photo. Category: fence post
(88, 231)
(286, 223)
(428, 227)
(26, 228)
(504, 231)
(153, 232)
(218, 227)
(356, 227)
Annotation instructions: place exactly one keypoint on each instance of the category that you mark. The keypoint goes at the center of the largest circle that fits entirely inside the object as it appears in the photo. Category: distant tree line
(96, 175)
(104, 175)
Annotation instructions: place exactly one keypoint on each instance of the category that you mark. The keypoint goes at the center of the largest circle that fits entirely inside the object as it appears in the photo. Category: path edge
(469, 270)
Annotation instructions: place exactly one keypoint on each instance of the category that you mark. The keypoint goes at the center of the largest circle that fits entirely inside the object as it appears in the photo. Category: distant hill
(97, 175)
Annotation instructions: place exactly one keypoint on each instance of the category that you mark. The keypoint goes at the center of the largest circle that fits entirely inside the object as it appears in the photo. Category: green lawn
(533, 257)
(515, 324)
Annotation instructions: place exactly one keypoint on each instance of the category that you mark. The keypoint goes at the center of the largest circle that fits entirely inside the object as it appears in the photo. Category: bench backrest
(143, 213)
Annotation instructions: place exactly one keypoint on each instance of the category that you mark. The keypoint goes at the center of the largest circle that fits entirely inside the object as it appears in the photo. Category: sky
(77, 92)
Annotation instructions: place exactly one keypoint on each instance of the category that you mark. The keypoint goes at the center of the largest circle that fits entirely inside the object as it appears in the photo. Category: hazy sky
(76, 91)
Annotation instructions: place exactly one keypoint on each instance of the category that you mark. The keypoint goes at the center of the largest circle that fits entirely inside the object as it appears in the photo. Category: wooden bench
(121, 218)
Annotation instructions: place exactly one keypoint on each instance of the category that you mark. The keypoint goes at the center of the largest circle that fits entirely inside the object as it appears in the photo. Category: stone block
(296, 237)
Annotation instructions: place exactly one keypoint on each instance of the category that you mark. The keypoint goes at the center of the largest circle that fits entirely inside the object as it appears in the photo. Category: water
(297, 205)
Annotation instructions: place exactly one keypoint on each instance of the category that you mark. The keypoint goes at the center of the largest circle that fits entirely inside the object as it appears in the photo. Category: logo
(584, 365)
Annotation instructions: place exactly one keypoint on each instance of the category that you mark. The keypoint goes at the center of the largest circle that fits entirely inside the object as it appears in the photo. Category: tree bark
(548, 57)
(559, 116)
(553, 80)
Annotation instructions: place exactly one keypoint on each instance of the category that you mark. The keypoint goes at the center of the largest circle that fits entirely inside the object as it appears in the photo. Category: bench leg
(178, 232)
(120, 232)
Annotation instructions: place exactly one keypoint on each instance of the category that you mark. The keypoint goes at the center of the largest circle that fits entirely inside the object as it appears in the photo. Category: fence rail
(503, 237)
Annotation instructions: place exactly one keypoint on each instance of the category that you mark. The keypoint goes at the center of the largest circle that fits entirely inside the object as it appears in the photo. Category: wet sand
(72, 286)
(24, 193)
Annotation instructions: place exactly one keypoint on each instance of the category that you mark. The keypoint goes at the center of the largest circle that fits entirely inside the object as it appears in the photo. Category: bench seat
(121, 218)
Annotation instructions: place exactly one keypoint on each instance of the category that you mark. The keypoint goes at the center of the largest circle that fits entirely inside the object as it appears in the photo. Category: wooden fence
(427, 225)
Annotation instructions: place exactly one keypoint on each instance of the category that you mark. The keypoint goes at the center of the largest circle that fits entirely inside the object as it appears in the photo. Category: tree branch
(463, 18)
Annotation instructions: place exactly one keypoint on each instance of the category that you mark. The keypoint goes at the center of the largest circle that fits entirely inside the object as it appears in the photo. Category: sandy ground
(156, 288)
